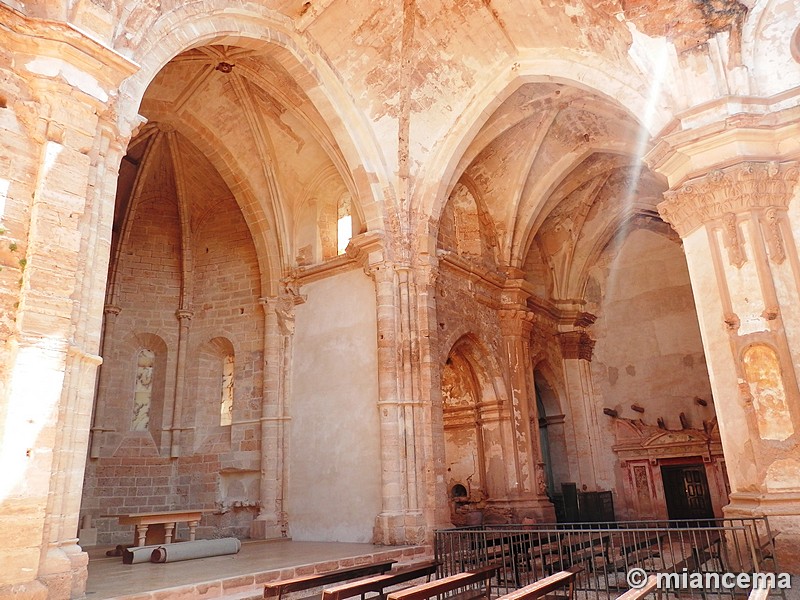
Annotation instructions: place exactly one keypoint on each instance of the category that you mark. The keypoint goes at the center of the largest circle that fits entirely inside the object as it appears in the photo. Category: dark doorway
(686, 492)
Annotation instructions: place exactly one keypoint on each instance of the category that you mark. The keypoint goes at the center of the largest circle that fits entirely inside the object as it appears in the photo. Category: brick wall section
(134, 472)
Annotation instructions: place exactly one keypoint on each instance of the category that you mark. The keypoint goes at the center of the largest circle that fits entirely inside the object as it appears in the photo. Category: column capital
(516, 321)
(738, 188)
(184, 315)
(383, 270)
(110, 309)
(576, 345)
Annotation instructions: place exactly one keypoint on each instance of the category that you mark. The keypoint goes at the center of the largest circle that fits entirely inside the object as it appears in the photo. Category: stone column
(581, 409)
(529, 485)
(430, 436)
(400, 520)
(110, 313)
(185, 320)
(737, 227)
(278, 327)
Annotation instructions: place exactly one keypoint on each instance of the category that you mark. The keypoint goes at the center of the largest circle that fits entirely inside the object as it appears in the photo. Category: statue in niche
(143, 390)
(226, 403)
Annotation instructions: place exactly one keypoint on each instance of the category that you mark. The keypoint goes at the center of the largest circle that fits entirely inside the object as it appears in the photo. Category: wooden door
(686, 492)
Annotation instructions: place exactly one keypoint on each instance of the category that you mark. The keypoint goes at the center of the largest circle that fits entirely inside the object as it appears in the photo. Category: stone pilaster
(110, 313)
(401, 519)
(278, 331)
(57, 222)
(184, 324)
(528, 486)
(737, 230)
(576, 351)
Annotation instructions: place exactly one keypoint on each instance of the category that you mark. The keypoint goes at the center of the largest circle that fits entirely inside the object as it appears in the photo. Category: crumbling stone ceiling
(687, 23)
(249, 115)
(559, 167)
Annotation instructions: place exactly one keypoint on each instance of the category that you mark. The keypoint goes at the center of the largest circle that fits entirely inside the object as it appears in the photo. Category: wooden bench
(306, 582)
(512, 551)
(637, 594)
(482, 575)
(541, 588)
(641, 549)
(378, 583)
(583, 548)
(159, 527)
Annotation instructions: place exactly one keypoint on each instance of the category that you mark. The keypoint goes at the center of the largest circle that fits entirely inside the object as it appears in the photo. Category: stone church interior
(347, 271)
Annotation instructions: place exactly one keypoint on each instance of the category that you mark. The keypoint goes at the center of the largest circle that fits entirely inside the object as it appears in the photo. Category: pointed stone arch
(623, 87)
(361, 162)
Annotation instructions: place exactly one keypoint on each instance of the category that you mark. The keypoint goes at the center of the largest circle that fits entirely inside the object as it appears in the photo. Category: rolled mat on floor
(137, 554)
(197, 549)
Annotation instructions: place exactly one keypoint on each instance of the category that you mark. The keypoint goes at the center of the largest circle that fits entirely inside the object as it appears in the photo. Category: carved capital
(576, 345)
(184, 316)
(516, 322)
(381, 272)
(282, 308)
(739, 188)
(110, 309)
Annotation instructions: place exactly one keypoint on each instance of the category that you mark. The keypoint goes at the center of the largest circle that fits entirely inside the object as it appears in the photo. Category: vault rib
(260, 133)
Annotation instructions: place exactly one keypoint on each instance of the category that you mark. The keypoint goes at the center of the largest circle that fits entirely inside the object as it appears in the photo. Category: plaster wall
(642, 295)
(640, 291)
(334, 438)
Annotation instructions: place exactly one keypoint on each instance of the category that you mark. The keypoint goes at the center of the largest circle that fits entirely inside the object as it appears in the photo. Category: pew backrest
(379, 583)
(452, 583)
(276, 589)
(546, 585)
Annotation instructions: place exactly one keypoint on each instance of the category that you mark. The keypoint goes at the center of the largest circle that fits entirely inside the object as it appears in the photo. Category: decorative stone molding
(541, 479)
(733, 240)
(734, 189)
(576, 345)
(516, 321)
(774, 237)
(584, 319)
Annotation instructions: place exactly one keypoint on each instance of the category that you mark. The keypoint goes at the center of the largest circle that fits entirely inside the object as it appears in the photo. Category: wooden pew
(547, 585)
(378, 583)
(450, 584)
(632, 554)
(583, 548)
(634, 594)
(276, 589)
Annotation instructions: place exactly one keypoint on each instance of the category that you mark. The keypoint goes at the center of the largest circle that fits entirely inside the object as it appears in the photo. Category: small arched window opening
(344, 224)
(459, 492)
(226, 401)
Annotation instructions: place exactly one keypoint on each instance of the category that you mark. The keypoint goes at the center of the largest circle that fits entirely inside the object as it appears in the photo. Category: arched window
(143, 390)
(226, 401)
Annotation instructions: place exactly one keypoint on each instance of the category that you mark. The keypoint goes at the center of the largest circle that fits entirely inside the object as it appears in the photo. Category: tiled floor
(109, 578)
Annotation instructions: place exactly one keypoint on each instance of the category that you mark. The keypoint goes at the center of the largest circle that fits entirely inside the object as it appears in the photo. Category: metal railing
(608, 551)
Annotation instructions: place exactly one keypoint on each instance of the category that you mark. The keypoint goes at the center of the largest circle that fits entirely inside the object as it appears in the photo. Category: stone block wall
(185, 285)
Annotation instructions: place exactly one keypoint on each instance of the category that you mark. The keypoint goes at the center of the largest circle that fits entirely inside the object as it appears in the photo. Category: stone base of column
(64, 572)
(403, 528)
(518, 510)
(783, 512)
(265, 529)
(33, 590)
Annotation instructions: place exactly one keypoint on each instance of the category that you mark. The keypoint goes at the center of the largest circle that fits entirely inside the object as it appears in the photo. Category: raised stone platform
(234, 577)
